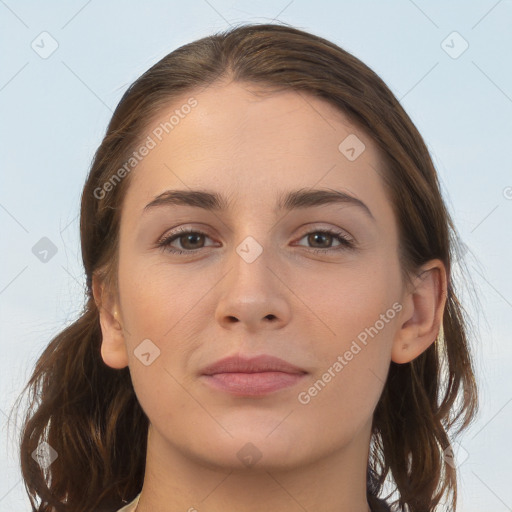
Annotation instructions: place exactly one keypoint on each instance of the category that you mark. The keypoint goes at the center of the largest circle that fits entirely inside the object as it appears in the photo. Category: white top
(130, 507)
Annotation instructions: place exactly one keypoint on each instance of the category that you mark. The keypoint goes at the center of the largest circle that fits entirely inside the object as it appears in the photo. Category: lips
(258, 364)
(251, 377)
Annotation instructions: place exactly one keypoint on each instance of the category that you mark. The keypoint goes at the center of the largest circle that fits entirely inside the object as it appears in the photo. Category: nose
(253, 296)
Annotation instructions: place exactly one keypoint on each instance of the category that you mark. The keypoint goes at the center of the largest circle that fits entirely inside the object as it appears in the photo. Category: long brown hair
(88, 412)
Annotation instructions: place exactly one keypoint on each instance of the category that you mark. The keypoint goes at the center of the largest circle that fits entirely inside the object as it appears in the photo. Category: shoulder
(130, 507)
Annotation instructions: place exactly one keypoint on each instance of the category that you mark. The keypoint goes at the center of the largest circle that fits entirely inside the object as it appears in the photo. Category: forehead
(251, 147)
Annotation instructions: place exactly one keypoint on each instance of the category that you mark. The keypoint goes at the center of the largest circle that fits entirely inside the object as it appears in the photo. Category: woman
(271, 319)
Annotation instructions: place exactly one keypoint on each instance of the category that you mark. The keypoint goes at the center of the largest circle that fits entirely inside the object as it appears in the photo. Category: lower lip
(252, 384)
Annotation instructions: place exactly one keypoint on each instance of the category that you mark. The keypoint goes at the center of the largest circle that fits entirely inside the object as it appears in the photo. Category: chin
(253, 450)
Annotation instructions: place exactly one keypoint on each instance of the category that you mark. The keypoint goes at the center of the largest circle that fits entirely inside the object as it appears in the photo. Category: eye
(189, 239)
(326, 237)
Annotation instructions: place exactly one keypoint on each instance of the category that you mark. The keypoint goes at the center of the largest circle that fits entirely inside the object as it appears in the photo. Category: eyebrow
(297, 199)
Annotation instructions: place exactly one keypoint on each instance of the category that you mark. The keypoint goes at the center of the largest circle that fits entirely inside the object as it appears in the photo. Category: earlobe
(422, 316)
(113, 345)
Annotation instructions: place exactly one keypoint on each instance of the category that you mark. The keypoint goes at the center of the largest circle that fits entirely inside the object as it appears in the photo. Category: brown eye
(188, 240)
(191, 240)
(322, 240)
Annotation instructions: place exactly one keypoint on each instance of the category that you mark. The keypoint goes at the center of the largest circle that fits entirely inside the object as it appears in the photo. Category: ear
(113, 346)
(422, 316)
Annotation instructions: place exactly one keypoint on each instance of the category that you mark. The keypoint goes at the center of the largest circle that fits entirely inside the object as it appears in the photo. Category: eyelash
(165, 243)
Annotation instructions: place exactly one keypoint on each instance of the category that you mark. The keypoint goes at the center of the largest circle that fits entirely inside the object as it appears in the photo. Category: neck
(176, 482)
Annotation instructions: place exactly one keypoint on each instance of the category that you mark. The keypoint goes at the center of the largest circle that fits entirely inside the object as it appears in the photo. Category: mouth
(254, 376)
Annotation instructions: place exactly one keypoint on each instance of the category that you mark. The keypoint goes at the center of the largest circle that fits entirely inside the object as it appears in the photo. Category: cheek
(155, 308)
(354, 356)
(152, 298)
(360, 311)
(352, 303)
(164, 307)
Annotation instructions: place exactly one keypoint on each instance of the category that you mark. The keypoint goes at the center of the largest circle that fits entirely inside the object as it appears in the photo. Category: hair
(89, 413)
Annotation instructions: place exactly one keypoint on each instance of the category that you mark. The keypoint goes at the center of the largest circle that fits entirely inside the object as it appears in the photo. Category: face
(315, 282)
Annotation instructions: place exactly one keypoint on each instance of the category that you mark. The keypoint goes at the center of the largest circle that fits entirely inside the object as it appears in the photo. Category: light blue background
(55, 112)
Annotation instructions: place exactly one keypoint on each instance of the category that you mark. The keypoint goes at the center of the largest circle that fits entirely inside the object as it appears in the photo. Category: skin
(200, 308)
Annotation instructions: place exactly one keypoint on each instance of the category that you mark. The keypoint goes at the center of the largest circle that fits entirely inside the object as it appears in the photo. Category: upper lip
(258, 364)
